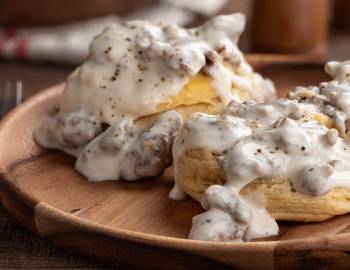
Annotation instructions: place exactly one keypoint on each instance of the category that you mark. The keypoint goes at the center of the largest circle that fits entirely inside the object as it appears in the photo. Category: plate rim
(7, 179)
(193, 246)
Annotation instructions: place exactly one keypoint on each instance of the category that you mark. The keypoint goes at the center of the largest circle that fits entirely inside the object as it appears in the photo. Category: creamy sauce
(132, 68)
(128, 151)
(69, 132)
(331, 98)
(265, 141)
(135, 66)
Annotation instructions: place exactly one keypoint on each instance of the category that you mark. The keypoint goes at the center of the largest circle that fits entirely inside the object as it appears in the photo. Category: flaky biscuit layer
(198, 169)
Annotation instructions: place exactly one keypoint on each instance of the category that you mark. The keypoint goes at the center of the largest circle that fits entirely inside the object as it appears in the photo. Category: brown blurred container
(341, 14)
(289, 26)
(46, 12)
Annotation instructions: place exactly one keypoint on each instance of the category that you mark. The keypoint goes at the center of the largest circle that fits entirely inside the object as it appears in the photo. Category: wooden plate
(135, 224)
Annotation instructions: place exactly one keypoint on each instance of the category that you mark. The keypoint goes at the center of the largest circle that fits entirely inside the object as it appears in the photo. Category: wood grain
(20, 249)
(134, 224)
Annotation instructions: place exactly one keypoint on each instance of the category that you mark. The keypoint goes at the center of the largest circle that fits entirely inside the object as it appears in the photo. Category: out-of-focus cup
(341, 14)
(289, 26)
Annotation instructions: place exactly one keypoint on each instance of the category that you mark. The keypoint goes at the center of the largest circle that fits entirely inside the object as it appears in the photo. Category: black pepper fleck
(141, 67)
(108, 50)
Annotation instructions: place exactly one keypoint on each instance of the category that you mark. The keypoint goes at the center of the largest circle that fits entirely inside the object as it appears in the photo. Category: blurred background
(294, 26)
(42, 41)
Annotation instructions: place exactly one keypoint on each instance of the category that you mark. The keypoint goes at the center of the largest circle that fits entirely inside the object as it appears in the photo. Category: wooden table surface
(19, 247)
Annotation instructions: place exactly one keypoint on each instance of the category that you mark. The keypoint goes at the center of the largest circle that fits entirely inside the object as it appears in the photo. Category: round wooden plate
(135, 224)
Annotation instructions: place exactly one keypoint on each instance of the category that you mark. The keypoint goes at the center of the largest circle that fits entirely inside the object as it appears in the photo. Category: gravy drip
(132, 68)
(267, 140)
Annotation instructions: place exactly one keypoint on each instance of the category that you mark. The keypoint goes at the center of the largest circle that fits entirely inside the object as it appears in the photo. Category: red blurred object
(44, 12)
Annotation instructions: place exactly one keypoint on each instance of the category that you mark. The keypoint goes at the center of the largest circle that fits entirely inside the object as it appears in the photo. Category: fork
(10, 96)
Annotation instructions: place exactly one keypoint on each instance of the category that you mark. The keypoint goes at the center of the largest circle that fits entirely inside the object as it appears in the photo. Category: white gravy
(265, 141)
(132, 68)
